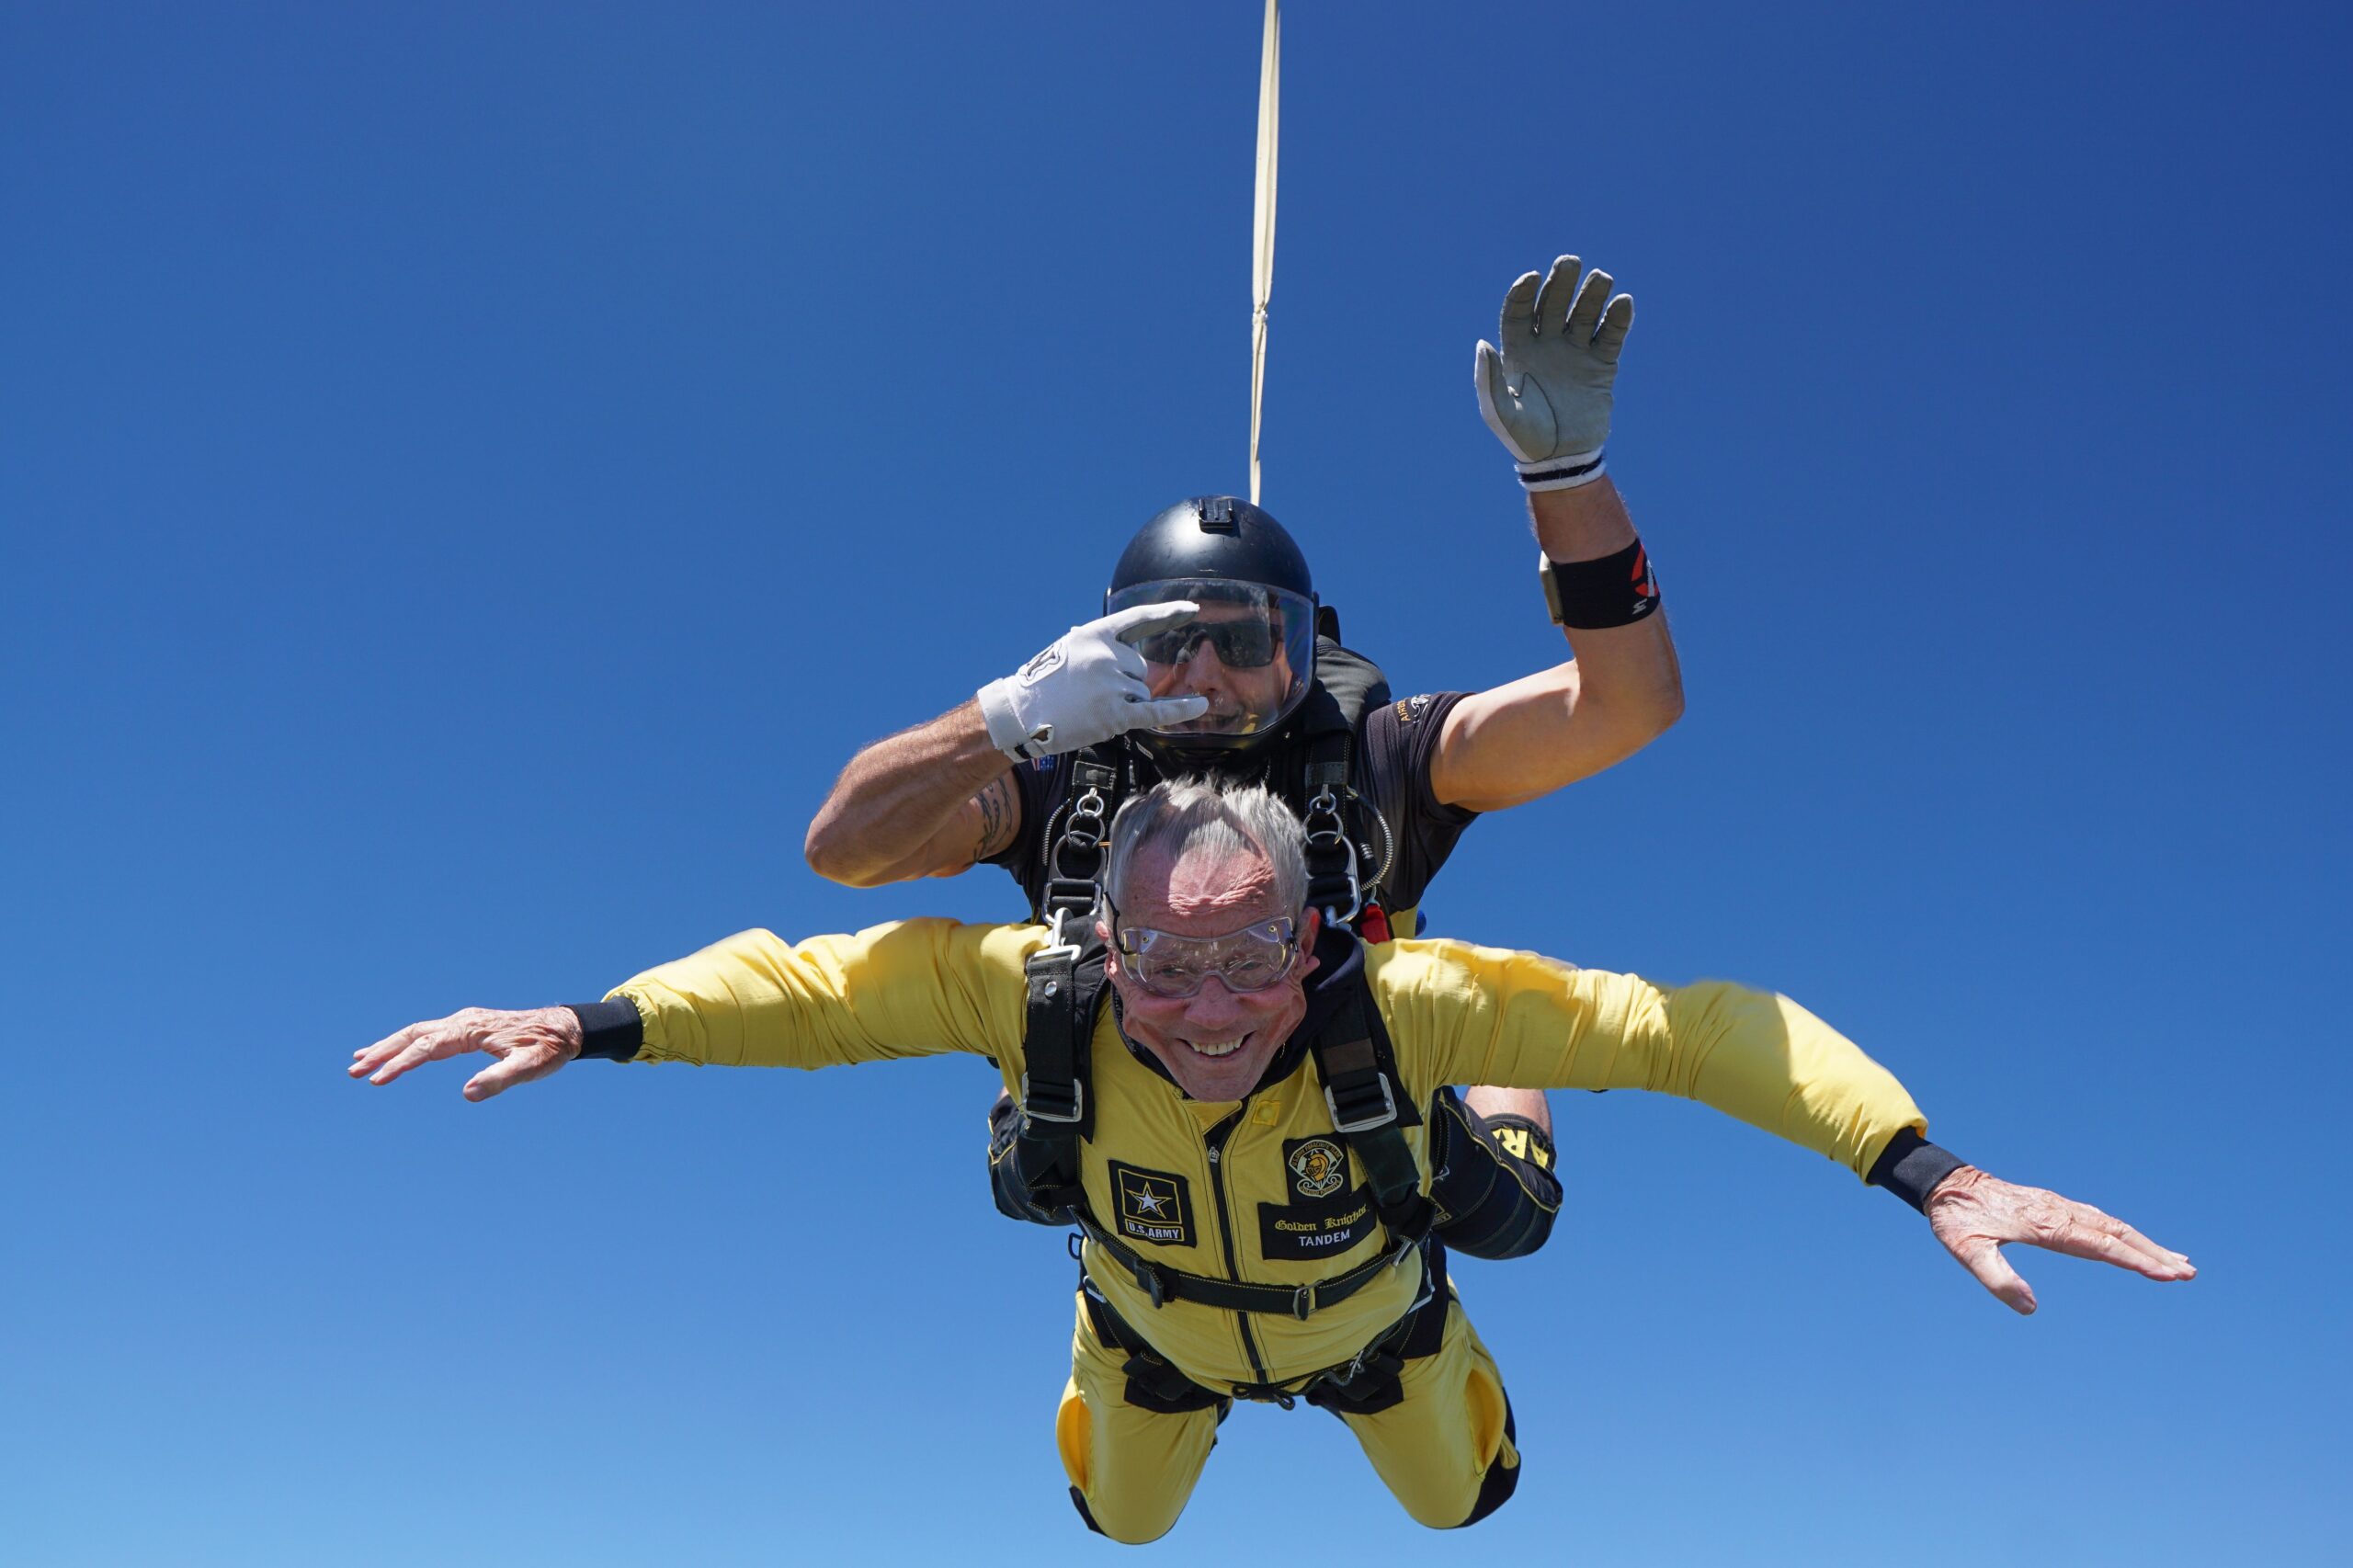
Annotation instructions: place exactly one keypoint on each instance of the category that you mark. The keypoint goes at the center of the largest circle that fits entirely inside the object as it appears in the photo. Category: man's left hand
(1974, 1214)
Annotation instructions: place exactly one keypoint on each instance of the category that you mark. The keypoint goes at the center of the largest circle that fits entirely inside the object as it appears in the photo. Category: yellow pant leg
(1133, 1469)
(1446, 1450)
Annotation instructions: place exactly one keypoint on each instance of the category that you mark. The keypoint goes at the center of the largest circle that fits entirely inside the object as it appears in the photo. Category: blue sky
(469, 477)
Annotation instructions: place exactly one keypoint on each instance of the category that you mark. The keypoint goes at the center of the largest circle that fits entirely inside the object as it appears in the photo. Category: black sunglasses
(1240, 644)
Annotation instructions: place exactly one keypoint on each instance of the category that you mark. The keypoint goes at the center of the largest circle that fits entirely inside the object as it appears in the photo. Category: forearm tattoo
(996, 819)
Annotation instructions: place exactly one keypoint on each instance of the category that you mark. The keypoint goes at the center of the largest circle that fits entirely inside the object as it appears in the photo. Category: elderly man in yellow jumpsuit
(1242, 1239)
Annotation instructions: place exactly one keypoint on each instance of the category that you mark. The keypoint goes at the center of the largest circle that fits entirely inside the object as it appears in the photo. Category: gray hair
(1204, 816)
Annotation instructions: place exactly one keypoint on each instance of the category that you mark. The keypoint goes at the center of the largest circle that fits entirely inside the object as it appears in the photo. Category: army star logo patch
(1155, 1206)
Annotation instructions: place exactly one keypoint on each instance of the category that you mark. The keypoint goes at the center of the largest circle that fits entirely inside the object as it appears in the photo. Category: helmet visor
(1251, 651)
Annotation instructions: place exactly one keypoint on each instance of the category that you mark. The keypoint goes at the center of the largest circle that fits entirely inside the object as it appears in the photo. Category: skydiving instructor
(1208, 661)
(944, 795)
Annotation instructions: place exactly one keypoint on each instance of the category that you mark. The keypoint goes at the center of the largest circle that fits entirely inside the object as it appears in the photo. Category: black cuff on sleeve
(1910, 1167)
(610, 1030)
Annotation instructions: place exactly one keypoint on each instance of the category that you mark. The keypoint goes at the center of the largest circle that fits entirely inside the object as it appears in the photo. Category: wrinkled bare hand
(529, 1044)
(1974, 1214)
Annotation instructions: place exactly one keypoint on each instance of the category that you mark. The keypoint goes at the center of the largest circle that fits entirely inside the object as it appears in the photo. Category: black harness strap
(1334, 883)
(1164, 1285)
(1360, 1088)
(1065, 989)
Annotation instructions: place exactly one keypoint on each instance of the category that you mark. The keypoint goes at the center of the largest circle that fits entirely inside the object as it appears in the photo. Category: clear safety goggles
(1166, 964)
(1251, 651)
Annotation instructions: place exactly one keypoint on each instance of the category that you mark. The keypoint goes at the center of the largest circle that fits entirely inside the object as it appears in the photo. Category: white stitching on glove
(1546, 394)
(1086, 686)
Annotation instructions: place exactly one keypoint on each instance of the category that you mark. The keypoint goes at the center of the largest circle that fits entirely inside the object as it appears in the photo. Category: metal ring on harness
(1327, 806)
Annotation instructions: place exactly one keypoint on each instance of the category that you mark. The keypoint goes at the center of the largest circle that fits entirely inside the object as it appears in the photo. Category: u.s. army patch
(1155, 1206)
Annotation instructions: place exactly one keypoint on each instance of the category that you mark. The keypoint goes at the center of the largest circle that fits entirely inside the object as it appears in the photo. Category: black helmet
(1252, 648)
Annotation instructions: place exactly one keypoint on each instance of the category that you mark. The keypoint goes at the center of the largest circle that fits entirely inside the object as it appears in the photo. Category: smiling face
(1215, 1043)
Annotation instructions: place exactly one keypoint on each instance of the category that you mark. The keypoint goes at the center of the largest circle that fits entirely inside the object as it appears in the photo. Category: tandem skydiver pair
(1255, 1136)
(1214, 658)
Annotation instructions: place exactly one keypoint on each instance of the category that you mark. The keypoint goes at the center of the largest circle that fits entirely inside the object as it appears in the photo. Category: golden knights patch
(1319, 1167)
(1155, 1206)
(1324, 1217)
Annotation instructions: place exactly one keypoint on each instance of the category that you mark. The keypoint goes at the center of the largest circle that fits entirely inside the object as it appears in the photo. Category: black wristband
(609, 1031)
(1587, 595)
(1910, 1167)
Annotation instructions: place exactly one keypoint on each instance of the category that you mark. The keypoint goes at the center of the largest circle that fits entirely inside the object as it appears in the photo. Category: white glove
(1086, 688)
(1546, 394)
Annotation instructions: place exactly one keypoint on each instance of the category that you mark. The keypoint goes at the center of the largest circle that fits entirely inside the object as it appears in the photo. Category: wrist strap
(1586, 596)
(612, 1029)
(1005, 728)
(1565, 473)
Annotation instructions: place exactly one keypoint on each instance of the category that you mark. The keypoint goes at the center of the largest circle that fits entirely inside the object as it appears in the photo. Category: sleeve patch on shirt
(1155, 1206)
(1409, 709)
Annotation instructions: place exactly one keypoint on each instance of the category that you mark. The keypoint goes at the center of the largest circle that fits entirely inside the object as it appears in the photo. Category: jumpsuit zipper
(1216, 1140)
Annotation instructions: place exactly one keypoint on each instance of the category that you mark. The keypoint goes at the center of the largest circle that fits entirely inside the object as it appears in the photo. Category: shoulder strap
(1355, 685)
(1065, 994)
(1074, 855)
(1064, 981)
(1348, 685)
(1370, 1110)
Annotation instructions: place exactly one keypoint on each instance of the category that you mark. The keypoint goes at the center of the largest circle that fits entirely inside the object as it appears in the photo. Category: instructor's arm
(934, 800)
(1548, 395)
(930, 801)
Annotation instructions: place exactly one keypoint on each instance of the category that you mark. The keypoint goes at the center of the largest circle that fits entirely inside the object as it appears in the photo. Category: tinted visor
(1251, 651)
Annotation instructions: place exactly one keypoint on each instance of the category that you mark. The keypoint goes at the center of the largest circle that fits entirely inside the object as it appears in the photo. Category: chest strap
(1164, 1284)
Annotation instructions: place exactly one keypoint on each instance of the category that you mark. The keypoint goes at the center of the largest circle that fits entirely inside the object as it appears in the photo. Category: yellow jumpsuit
(1263, 1191)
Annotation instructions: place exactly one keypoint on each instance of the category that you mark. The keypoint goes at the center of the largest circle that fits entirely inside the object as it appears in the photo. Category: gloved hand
(1086, 688)
(1546, 394)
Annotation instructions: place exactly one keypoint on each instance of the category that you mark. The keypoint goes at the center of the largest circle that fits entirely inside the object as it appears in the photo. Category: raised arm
(934, 800)
(1548, 395)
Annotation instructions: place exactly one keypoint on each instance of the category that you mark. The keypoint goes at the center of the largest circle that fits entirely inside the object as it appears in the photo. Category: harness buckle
(1342, 1122)
(1153, 1285)
(1302, 1301)
(1053, 1109)
(1066, 896)
(1356, 891)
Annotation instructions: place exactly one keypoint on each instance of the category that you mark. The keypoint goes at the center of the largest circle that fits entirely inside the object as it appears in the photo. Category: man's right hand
(1086, 688)
(1545, 387)
(529, 1044)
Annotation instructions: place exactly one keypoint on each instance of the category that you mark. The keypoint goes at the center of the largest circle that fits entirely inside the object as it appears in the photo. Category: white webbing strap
(1262, 224)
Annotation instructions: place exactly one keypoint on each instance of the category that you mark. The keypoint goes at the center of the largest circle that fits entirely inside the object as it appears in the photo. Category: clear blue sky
(469, 475)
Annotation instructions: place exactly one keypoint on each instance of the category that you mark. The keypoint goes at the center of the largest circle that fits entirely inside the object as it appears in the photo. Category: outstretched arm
(1490, 1015)
(909, 988)
(1548, 395)
(527, 1044)
(1974, 1214)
